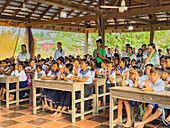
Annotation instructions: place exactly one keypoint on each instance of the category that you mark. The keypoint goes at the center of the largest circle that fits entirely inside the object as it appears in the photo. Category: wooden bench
(72, 87)
(136, 94)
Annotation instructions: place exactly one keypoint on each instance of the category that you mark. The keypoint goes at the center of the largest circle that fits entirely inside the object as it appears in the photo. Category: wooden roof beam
(70, 5)
(150, 2)
(33, 10)
(45, 11)
(5, 5)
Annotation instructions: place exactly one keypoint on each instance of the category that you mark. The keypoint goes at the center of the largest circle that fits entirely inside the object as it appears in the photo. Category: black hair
(108, 49)
(39, 61)
(116, 58)
(26, 63)
(141, 53)
(127, 58)
(124, 60)
(156, 70)
(116, 55)
(144, 45)
(136, 68)
(69, 60)
(35, 60)
(133, 60)
(5, 61)
(39, 66)
(152, 45)
(128, 45)
(61, 45)
(23, 45)
(47, 59)
(43, 60)
(78, 56)
(166, 69)
(167, 57)
(85, 61)
(105, 61)
(61, 59)
(151, 65)
(99, 40)
(39, 55)
(70, 67)
(160, 50)
(13, 65)
(130, 48)
(56, 63)
(22, 64)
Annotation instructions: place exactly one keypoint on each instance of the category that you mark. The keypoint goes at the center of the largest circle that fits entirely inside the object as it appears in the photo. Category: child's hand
(8, 73)
(62, 69)
(72, 78)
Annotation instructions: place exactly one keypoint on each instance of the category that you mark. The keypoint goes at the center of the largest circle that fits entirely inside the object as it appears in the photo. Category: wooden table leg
(7, 93)
(73, 106)
(82, 102)
(111, 112)
(17, 93)
(97, 98)
(34, 100)
(104, 97)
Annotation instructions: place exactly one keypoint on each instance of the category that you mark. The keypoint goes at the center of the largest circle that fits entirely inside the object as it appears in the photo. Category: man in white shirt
(124, 53)
(24, 55)
(59, 52)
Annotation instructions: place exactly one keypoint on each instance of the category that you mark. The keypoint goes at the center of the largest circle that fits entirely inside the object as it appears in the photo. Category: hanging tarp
(8, 41)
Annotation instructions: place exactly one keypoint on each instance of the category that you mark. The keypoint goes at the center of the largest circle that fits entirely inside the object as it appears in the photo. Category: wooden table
(129, 93)
(97, 83)
(10, 79)
(72, 87)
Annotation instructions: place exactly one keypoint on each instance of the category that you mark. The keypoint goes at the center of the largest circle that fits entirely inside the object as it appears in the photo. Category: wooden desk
(128, 93)
(10, 79)
(72, 87)
(97, 83)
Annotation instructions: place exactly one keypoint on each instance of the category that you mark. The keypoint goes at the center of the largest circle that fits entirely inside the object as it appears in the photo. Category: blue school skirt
(88, 90)
(107, 90)
(65, 100)
(22, 84)
(52, 95)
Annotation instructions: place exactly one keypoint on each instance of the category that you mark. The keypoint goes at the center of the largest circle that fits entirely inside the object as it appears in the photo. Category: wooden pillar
(152, 31)
(86, 41)
(102, 25)
(30, 41)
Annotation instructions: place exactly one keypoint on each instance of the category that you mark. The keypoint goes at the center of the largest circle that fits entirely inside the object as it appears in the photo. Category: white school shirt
(22, 75)
(102, 70)
(132, 56)
(141, 80)
(168, 79)
(158, 86)
(51, 74)
(113, 76)
(42, 73)
(44, 67)
(129, 82)
(124, 53)
(12, 73)
(93, 74)
(88, 74)
(58, 54)
(153, 60)
(31, 69)
(68, 76)
(23, 57)
(7, 69)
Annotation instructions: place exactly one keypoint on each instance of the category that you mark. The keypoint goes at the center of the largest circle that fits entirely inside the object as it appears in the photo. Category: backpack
(29, 81)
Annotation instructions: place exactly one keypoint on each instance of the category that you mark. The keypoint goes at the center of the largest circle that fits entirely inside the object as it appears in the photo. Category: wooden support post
(102, 25)
(86, 41)
(30, 41)
(152, 31)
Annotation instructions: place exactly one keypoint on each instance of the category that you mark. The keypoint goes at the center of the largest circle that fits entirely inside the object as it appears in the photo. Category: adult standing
(99, 54)
(59, 52)
(23, 55)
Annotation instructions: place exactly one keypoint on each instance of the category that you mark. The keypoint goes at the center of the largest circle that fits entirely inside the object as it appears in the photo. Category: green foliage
(71, 41)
